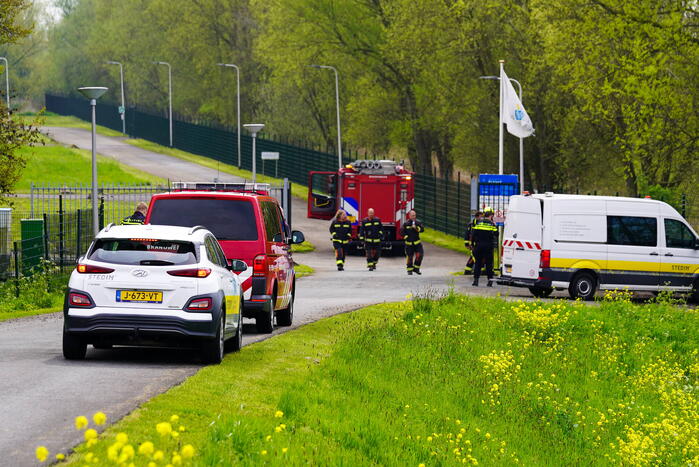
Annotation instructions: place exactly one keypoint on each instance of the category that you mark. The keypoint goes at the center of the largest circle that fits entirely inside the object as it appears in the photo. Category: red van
(248, 226)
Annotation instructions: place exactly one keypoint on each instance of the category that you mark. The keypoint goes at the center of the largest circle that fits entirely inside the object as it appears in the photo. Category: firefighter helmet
(488, 210)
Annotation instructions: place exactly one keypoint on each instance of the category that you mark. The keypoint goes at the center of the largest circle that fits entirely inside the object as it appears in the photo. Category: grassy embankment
(459, 380)
(65, 121)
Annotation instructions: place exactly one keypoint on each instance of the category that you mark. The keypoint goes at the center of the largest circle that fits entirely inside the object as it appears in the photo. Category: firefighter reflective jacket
(370, 230)
(411, 231)
(485, 234)
(341, 231)
(134, 219)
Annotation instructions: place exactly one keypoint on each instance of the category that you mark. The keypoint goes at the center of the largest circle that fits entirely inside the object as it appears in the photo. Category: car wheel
(74, 348)
(285, 317)
(583, 286)
(236, 343)
(265, 319)
(214, 349)
(541, 292)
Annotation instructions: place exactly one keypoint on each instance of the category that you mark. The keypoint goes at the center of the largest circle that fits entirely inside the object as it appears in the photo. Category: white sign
(580, 228)
(270, 156)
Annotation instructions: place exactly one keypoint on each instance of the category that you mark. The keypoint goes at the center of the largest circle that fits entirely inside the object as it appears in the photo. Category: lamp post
(337, 107)
(122, 109)
(94, 93)
(521, 140)
(254, 129)
(237, 112)
(7, 82)
(169, 93)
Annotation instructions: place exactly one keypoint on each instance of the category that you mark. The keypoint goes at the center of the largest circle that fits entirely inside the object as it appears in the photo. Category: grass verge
(7, 315)
(39, 293)
(444, 382)
(65, 121)
(445, 241)
(305, 247)
(297, 190)
(303, 270)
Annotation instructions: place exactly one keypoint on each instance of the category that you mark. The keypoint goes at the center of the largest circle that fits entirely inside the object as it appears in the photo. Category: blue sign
(494, 191)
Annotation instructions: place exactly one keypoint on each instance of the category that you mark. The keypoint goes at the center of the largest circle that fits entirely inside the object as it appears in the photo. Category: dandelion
(268, 438)
(187, 451)
(163, 428)
(263, 452)
(277, 429)
(146, 448)
(41, 453)
(152, 464)
(284, 450)
(278, 414)
(176, 460)
(99, 418)
(81, 422)
(158, 455)
(181, 428)
(60, 456)
(90, 434)
(421, 465)
(175, 434)
(122, 438)
(175, 418)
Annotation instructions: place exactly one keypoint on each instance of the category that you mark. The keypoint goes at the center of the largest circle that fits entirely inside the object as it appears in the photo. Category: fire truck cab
(385, 186)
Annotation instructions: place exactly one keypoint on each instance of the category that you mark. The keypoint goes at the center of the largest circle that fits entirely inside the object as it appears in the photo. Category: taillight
(545, 261)
(90, 269)
(259, 265)
(194, 272)
(78, 299)
(199, 304)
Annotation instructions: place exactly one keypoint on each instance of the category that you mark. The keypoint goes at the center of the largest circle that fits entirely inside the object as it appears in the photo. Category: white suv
(154, 285)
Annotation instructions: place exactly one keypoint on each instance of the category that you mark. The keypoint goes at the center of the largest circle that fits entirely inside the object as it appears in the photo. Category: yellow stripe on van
(577, 263)
(639, 266)
(680, 268)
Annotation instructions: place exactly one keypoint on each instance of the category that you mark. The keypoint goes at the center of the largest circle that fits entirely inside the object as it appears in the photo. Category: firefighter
(341, 232)
(484, 239)
(371, 233)
(138, 217)
(468, 242)
(410, 231)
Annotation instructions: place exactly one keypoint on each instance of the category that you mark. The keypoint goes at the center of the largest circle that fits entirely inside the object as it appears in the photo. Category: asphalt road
(42, 393)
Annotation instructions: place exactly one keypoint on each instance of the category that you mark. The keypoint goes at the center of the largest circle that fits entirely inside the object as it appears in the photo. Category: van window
(678, 235)
(271, 217)
(227, 219)
(636, 231)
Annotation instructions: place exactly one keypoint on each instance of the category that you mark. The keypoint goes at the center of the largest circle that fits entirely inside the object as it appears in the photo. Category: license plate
(139, 296)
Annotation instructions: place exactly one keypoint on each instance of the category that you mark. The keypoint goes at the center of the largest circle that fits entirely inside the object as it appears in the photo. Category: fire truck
(386, 186)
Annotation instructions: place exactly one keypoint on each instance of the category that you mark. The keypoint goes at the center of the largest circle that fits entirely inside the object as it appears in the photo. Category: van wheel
(74, 348)
(541, 292)
(286, 316)
(583, 286)
(265, 320)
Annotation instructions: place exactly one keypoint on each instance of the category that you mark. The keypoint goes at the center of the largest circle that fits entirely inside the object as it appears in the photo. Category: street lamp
(237, 71)
(521, 140)
(337, 107)
(122, 109)
(7, 82)
(94, 93)
(254, 128)
(169, 93)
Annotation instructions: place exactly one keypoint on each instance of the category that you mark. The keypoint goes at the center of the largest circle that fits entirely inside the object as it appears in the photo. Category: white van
(583, 243)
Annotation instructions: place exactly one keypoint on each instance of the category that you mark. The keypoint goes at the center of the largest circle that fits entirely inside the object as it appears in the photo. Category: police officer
(468, 242)
(410, 231)
(484, 239)
(138, 217)
(341, 233)
(371, 233)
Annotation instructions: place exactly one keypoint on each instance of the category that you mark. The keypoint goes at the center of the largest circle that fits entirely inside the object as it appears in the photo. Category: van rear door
(522, 238)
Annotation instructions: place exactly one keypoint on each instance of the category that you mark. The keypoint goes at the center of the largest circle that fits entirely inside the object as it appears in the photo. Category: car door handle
(655, 253)
(669, 254)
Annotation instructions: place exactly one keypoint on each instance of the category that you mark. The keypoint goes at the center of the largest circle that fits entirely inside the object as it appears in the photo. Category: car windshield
(227, 219)
(143, 252)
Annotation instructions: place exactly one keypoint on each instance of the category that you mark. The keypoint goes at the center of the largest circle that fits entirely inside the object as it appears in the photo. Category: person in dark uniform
(371, 233)
(468, 242)
(341, 233)
(484, 239)
(410, 231)
(138, 217)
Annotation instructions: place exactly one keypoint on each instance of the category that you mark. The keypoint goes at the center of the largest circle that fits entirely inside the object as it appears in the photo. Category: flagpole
(500, 152)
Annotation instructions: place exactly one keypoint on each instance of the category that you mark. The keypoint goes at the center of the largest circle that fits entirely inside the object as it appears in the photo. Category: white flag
(513, 113)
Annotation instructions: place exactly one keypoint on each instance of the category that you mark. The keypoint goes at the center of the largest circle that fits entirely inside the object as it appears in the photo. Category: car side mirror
(297, 237)
(237, 265)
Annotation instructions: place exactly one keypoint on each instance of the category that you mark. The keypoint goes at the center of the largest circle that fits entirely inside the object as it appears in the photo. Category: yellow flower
(152, 464)
(89, 456)
(99, 418)
(123, 438)
(278, 414)
(284, 450)
(146, 449)
(409, 296)
(91, 442)
(429, 439)
(187, 451)
(176, 460)
(81, 422)
(163, 428)
(487, 436)
(182, 428)
(277, 429)
(60, 456)
(174, 434)
(128, 451)
(90, 434)
(158, 455)
(175, 418)
(421, 465)
(268, 438)
(41, 453)
(264, 453)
